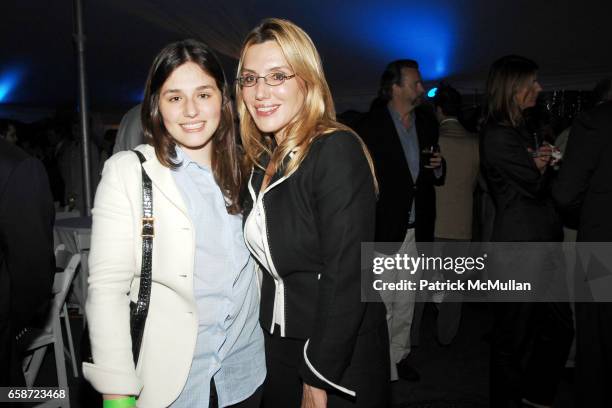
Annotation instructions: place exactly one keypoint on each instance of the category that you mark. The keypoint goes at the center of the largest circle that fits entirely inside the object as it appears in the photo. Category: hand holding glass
(431, 156)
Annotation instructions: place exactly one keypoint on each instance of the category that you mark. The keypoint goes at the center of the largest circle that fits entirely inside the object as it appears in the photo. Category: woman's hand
(314, 397)
(543, 157)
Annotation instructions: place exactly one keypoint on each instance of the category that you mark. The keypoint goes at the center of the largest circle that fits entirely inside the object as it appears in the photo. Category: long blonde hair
(317, 116)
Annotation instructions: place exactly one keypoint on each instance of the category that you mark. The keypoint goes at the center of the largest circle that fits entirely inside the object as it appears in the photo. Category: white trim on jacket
(322, 378)
(278, 312)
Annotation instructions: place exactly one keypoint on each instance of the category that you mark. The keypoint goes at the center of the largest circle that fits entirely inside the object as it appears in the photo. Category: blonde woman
(311, 202)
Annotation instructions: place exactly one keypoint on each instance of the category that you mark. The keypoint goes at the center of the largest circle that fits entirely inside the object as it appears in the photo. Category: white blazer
(114, 268)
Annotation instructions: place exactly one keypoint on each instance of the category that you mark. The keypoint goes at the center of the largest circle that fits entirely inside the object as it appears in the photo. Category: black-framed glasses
(272, 79)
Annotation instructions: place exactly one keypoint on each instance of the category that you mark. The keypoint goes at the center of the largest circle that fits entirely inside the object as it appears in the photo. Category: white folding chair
(51, 334)
(62, 215)
(62, 259)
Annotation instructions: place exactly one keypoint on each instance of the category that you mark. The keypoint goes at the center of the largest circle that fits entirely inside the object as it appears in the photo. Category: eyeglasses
(272, 79)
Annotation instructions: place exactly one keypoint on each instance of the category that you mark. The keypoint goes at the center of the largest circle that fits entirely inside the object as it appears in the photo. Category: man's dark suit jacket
(27, 263)
(584, 185)
(584, 188)
(397, 189)
(524, 207)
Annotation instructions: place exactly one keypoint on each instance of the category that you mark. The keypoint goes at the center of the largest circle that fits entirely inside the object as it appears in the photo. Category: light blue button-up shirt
(410, 144)
(230, 346)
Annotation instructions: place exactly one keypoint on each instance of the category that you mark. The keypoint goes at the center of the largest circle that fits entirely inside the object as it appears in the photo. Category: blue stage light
(406, 30)
(432, 92)
(8, 81)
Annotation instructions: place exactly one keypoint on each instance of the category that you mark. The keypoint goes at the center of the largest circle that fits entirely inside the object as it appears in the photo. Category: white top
(254, 232)
(256, 237)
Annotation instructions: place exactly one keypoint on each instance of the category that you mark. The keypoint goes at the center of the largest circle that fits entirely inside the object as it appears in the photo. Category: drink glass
(427, 153)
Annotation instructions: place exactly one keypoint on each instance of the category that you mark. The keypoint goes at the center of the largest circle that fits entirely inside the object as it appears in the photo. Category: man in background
(396, 131)
(130, 133)
(27, 264)
(584, 191)
(454, 200)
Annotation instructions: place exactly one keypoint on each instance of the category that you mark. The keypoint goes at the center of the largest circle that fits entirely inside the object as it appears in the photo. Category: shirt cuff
(111, 381)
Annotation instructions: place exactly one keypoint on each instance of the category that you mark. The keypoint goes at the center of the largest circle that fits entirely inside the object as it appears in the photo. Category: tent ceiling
(454, 39)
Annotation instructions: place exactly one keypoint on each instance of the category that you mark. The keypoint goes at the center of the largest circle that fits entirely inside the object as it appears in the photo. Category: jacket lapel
(280, 173)
(162, 179)
(394, 145)
(257, 176)
(256, 179)
(420, 128)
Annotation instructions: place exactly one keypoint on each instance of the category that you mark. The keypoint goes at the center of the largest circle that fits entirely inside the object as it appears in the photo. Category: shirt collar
(398, 118)
(183, 159)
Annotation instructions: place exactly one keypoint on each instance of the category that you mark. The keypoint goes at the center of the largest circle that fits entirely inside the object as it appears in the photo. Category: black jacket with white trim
(316, 220)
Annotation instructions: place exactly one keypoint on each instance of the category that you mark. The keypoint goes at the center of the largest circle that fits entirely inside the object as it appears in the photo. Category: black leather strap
(139, 310)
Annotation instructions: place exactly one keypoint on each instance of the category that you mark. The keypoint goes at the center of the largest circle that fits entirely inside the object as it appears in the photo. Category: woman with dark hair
(202, 341)
(517, 172)
(311, 203)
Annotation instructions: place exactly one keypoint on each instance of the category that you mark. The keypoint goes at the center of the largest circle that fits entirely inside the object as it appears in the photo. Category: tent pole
(79, 38)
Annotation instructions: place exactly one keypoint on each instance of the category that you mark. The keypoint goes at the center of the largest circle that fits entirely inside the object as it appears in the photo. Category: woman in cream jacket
(202, 341)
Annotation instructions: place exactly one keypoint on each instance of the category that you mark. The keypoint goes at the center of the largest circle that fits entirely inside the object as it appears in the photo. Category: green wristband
(126, 402)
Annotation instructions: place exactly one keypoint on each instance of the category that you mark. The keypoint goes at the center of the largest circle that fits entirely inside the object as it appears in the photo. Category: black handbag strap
(141, 308)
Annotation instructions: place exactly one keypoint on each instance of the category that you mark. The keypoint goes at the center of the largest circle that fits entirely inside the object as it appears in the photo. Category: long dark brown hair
(506, 76)
(226, 158)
